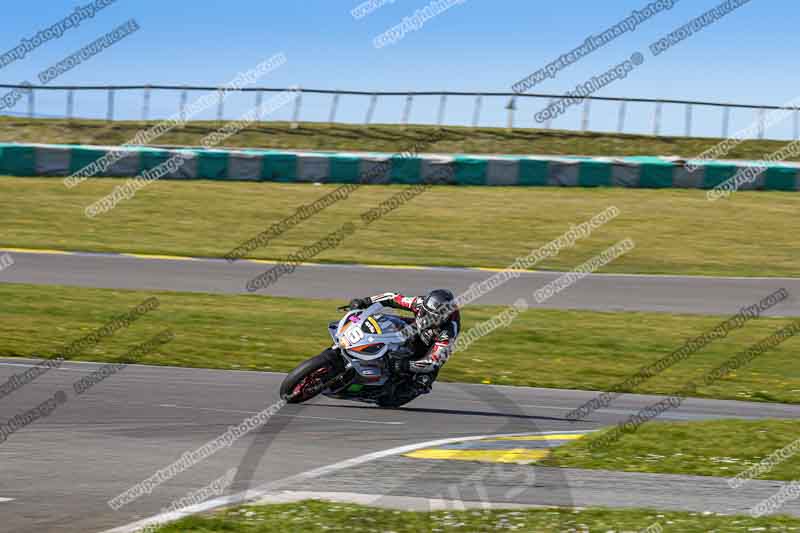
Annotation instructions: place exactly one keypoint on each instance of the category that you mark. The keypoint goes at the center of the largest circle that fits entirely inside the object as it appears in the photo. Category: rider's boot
(423, 383)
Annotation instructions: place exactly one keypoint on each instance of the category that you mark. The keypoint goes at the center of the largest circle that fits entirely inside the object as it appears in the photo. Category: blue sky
(477, 45)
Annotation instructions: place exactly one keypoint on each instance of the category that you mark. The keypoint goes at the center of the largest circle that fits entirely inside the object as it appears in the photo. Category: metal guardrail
(374, 96)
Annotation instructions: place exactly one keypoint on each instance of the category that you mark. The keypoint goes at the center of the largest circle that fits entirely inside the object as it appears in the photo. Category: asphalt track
(599, 292)
(57, 473)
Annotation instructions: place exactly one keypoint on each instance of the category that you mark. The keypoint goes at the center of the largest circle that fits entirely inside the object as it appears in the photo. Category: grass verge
(676, 231)
(721, 448)
(313, 516)
(546, 348)
(379, 138)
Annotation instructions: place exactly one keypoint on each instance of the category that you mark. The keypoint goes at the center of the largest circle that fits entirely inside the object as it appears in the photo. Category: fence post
(373, 101)
(70, 103)
(407, 110)
(688, 120)
(442, 105)
(182, 108)
(587, 106)
(549, 122)
(220, 104)
(334, 108)
(761, 128)
(146, 104)
(110, 111)
(657, 119)
(726, 121)
(298, 104)
(259, 104)
(623, 107)
(512, 105)
(31, 103)
(476, 115)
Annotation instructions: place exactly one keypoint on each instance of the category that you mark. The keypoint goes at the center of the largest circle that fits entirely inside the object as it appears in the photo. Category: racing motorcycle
(361, 365)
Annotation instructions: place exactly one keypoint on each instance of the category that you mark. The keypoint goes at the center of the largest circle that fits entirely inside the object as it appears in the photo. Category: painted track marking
(515, 455)
(266, 489)
(524, 449)
(154, 257)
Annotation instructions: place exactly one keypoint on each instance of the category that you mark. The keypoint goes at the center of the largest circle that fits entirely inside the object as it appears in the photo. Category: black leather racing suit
(431, 346)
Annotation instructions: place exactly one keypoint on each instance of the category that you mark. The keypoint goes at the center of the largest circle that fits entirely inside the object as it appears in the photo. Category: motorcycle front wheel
(308, 379)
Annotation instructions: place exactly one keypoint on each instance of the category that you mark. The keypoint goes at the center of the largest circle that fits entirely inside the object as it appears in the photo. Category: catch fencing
(651, 116)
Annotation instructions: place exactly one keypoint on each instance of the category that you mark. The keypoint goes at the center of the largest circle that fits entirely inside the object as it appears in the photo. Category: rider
(436, 324)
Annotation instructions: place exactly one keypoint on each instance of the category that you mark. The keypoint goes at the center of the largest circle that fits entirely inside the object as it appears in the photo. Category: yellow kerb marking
(27, 251)
(399, 267)
(516, 455)
(265, 261)
(566, 436)
(168, 257)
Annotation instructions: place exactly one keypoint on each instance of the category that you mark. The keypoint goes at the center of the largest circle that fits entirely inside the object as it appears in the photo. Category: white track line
(3, 500)
(269, 488)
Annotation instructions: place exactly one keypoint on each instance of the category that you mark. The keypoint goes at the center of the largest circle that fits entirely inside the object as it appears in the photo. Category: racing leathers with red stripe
(432, 345)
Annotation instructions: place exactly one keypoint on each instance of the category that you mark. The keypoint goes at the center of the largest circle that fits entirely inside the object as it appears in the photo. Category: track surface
(61, 470)
(676, 294)
(58, 473)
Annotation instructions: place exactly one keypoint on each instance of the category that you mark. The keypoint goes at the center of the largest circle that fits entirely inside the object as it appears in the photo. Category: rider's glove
(360, 303)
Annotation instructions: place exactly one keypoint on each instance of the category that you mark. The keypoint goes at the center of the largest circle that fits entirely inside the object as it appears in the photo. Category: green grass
(382, 138)
(315, 516)
(546, 348)
(718, 448)
(676, 231)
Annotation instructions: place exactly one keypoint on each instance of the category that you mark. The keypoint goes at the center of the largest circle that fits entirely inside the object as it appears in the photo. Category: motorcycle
(361, 366)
